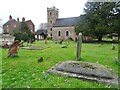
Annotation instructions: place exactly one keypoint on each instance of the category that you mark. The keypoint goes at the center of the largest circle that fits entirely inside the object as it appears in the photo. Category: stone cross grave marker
(79, 45)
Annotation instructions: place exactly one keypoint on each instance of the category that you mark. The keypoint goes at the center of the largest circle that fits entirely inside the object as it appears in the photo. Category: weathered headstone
(13, 50)
(86, 70)
(113, 47)
(79, 45)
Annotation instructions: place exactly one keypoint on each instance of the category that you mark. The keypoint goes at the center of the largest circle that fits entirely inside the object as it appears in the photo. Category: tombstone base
(86, 70)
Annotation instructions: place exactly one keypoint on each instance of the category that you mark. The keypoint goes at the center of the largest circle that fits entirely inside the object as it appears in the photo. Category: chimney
(18, 19)
(10, 17)
(23, 19)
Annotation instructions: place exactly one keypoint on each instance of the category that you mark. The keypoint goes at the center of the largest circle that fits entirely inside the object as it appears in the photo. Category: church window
(50, 29)
(51, 22)
(67, 33)
(59, 34)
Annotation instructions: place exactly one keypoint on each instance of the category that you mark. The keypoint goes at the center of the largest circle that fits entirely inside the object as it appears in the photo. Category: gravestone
(79, 46)
(85, 70)
(113, 47)
(13, 50)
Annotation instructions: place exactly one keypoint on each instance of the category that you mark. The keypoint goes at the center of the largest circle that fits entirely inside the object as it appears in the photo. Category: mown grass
(24, 71)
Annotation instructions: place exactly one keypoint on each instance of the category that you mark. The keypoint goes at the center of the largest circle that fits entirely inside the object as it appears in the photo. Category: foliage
(24, 36)
(116, 24)
(98, 20)
(23, 33)
(49, 37)
(32, 36)
(24, 28)
(17, 36)
(25, 71)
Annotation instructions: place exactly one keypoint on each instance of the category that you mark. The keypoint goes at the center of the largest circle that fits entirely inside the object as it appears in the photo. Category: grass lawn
(24, 71)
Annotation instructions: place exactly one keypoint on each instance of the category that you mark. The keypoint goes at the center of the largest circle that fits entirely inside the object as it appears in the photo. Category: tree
(25, 36)
(17, 36)
(32, 36)
(24, 28)
(116, 24)
(43, 26)
(1, 26)
(82, 26)
(98, 19)
(22, 32)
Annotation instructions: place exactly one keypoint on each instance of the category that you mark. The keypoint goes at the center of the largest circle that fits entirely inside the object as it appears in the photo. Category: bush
(49, 38)
(25, 36)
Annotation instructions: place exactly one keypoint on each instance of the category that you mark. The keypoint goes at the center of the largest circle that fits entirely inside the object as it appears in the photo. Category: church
(60, 28)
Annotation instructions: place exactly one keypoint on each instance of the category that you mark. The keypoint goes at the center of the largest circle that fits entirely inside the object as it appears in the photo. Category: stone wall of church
(59, 33)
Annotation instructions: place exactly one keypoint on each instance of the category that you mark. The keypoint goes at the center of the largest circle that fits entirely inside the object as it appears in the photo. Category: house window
(67, 33)
(7, 30)
(59, 34)
(14, 26)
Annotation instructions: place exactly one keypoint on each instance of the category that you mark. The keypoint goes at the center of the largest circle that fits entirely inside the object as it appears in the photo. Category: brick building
(13, 24)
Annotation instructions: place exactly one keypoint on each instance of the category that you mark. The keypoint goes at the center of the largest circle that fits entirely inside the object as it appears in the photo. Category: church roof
(64, 22)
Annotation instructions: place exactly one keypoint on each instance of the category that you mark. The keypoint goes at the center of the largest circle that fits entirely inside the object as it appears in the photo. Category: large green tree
(24, 28)
(98, 18)
(116, 24)
(23, 33)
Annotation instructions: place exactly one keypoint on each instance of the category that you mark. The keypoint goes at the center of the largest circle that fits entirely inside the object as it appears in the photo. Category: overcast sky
(36, 10)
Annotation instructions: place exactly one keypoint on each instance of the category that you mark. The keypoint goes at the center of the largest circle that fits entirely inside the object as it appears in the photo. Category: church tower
(52, 15)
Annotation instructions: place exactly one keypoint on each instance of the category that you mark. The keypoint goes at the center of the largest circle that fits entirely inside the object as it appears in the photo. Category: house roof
(64, 22)
(29, 22)
(10, 22)
(41, 32)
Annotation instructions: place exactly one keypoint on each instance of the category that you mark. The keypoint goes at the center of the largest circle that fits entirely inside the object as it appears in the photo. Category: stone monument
(85, 70)
(13, 50)
(79, 46)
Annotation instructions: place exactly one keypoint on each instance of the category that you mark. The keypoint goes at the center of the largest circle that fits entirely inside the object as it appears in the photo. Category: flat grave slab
(85, 70)
(33, 48)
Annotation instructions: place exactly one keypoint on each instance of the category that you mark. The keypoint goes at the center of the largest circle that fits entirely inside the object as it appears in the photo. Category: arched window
(50, 29)
(67, 33)
(59, 33)
(50, 13)
(51, 22)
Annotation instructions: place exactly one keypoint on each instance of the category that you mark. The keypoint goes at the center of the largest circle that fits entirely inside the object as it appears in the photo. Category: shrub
(49, 38)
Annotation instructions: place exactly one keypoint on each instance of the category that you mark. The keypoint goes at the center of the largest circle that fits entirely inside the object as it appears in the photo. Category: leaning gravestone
(13, 50)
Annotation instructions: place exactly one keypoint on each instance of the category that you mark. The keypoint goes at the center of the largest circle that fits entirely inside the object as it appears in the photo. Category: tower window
(59, 34)
(50, 29)
(51, 34)
(67, 33)
(50, 13)
(51, 22)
